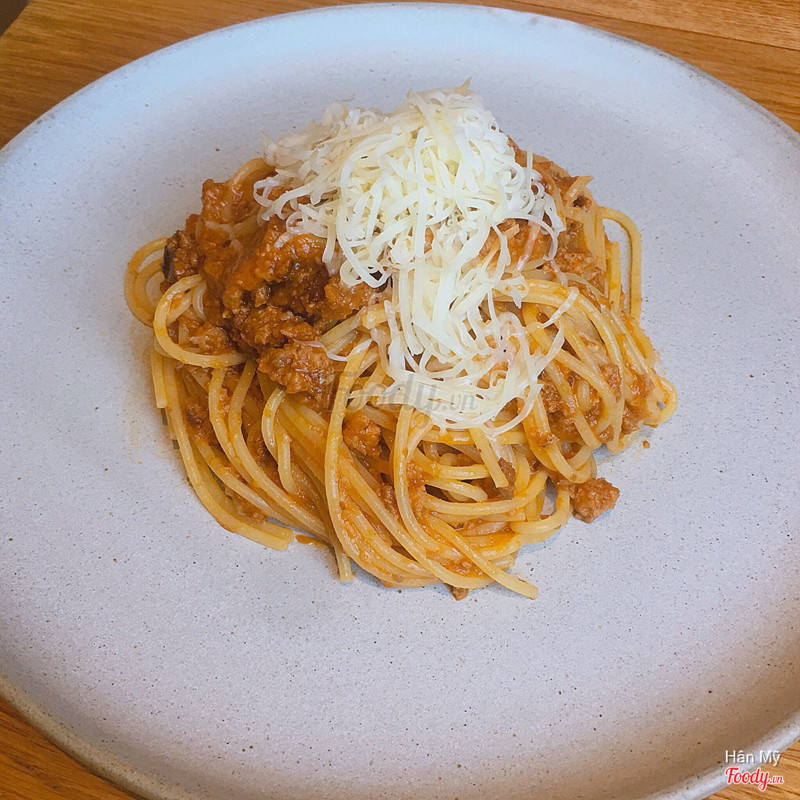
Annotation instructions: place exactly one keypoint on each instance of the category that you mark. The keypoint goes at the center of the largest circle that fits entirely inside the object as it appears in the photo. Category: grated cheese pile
(413, 200)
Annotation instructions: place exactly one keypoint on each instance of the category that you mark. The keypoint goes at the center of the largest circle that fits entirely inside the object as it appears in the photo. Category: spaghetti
(423, 414)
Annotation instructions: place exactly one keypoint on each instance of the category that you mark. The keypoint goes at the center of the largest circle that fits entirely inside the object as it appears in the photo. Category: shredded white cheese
(411, 200)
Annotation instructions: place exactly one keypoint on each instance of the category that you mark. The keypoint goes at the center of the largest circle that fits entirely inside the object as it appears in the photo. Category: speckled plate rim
(138, 781)
(141, 784)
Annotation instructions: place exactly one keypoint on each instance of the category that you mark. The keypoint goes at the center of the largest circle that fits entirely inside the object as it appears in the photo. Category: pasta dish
(405, 336)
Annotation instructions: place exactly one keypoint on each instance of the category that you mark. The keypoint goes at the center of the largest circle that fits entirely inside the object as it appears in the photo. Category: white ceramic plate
(188, 662)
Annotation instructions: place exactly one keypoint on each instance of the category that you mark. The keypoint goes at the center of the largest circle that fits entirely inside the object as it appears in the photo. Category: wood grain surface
(55, 47)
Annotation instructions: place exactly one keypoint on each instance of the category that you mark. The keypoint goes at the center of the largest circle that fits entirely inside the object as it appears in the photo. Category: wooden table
(57, 46)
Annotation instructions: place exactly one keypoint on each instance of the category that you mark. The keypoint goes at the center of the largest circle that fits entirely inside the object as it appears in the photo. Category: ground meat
(417, 489)
(560, 413)
(388, 498)
(510, 471)
(612, 375)
(255, 444)
(275, 256)
(458, 592)
(592, 498)
(544, 438)
(552, 400)
(605, 435)
(228, 202)
(269, 326)
(362, 435)
(302, 290)
(502, 492)
(197, 418)
(267, 293)
(341, 301)
(573, 256)
(636, 404)
(196, 413)
(181, 257)
(301, 367)
(582, 201)
(210, 339)
(631, 420)
(284, 272)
